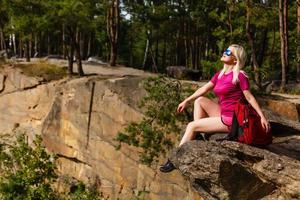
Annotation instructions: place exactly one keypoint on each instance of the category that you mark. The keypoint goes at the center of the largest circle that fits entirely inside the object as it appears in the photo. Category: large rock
(12, 79)
(60, 110)
(231, 170)
(89, 154)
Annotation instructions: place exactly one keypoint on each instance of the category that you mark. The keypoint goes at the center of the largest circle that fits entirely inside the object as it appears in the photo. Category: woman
(229, 84)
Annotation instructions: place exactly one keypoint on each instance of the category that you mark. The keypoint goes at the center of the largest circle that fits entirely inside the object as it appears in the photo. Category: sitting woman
(229, 84)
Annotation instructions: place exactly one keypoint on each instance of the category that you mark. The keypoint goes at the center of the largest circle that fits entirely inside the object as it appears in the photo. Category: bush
(161, 121)
(27, 173)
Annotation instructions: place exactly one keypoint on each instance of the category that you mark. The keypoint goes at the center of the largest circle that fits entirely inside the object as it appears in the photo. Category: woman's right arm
(201, 91)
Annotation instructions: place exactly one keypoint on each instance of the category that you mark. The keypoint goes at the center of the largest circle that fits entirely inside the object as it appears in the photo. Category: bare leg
(207, 125)
(205, 107)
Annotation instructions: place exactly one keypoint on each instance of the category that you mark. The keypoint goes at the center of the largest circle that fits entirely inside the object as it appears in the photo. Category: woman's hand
(265, 124)
(181, 106)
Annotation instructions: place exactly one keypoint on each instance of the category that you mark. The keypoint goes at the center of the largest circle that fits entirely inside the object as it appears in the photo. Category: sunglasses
(227, 52)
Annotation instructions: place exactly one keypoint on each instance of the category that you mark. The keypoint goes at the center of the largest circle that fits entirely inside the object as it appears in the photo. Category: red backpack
(246, 126)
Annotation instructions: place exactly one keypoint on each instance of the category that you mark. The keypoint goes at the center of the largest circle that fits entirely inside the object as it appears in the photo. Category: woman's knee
(200, 101)
(192, 126)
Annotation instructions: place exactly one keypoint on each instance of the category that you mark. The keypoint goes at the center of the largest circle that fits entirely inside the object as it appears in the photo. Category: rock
(15, 80)
(54, 57)
(282, 106)
(91, 156)
(231, 170)
(96, 60)
(181, 72)
(59, 110)
(2, 82)
(6, 53)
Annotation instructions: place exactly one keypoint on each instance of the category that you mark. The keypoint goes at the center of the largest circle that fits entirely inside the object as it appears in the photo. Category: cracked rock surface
(230, 170)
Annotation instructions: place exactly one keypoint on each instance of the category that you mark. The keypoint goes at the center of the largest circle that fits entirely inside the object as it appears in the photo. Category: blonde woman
(229, 84)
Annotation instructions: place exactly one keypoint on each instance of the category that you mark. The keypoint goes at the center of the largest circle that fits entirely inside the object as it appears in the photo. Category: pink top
(228, 93)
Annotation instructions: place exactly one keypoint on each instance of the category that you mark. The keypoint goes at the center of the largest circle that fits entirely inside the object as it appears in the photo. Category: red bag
(246, 126)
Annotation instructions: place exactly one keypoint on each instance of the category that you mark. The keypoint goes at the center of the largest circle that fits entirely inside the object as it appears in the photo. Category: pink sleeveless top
(228, 93)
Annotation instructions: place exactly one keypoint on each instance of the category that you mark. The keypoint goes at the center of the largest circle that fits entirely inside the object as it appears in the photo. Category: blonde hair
(240, 56)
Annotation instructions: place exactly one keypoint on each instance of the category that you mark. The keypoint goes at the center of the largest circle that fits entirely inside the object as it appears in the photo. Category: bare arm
(251, 99)
(201, 91)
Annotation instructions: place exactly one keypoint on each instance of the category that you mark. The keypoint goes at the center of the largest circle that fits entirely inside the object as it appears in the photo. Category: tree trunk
(260, 57)
(64, 42)
(30, 45)
(89, 47)
(20, 46)
(130, 52)
(164, 56)
(113, 21)
(27, 50)
(186, 45)
(146, 50)
(156, 49)
(48, 44)
(36, 51)
(70, 58)
(1, 40)
(82, 45)
(14, 43)
(71, 50)
(285, 32)
(251, 43)
(4, 46)
(78, 54)
(282, 42)
(298, 39)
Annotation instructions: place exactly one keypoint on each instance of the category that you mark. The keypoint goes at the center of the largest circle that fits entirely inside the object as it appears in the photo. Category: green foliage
(81, 192)
(161, 122)
(210, 68)
(27, 173)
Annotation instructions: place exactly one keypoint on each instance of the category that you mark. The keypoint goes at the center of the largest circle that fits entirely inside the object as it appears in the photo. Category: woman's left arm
(251, 99)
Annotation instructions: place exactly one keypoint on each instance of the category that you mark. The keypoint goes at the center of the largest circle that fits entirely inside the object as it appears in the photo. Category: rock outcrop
(79, 118)
(81, 132)
(230, 170)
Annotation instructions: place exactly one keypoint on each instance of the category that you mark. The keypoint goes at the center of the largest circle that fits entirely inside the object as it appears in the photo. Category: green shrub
(161, 122)
(81, 192)
(27, 173)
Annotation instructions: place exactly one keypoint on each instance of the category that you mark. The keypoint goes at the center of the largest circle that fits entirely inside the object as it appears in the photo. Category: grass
(42, 69)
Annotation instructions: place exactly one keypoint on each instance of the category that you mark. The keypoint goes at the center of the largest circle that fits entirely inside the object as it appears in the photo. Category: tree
(283, 39)
(3, 22)
(298, 41)
(113, 22)
(27, 19)
(75, 17)
(251, 43)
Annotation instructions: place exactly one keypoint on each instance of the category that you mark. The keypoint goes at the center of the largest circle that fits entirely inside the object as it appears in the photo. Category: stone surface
(60, 111)
(231, 170)
(14, 80)
(287, 107)
(91, 156)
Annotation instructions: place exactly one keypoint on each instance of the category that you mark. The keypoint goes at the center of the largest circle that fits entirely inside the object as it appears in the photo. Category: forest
(152, 35)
